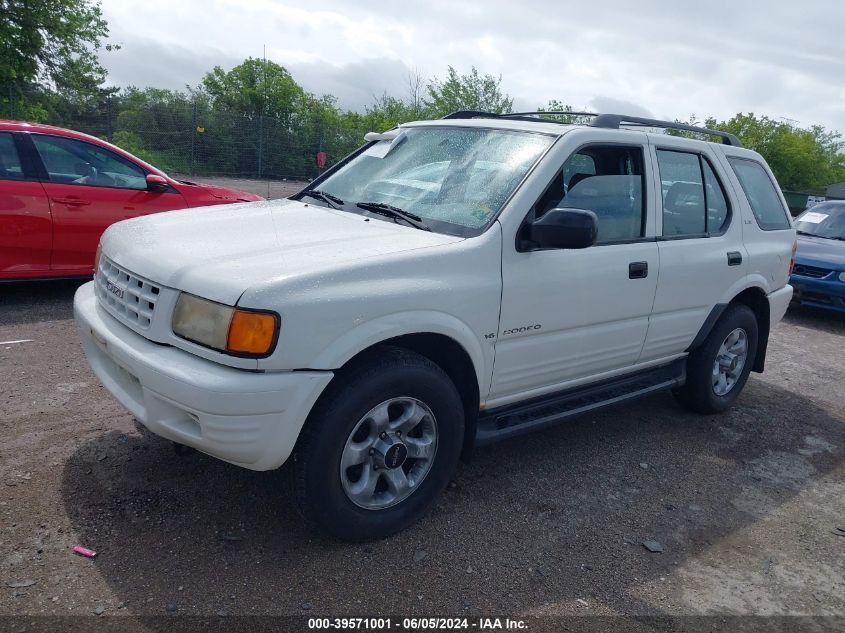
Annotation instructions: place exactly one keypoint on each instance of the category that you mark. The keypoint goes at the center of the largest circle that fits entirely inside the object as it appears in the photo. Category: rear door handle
(72, 202)
(734, 258)
(637, 270)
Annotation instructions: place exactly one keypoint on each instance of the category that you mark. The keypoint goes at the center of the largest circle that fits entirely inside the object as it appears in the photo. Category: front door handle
(637, 270)
(734, 258)
(72, 201)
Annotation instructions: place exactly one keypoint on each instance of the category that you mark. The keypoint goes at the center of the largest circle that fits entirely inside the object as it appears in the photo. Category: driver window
(69, 161)
(605, 179)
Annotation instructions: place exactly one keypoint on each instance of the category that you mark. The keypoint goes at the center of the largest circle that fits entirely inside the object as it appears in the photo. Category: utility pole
(263, 111)
(193, 133)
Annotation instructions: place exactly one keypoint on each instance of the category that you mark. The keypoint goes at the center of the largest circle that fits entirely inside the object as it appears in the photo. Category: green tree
(802, 159)
(387, 112)
(559, 106)
(52, 42)
(255, 87)
(472, 91)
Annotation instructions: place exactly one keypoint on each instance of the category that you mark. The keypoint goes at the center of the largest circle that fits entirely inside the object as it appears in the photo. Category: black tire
(392, 373)
(698, 393)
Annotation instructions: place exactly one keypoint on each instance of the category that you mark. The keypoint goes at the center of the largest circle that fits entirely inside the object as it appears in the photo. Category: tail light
(792, 260)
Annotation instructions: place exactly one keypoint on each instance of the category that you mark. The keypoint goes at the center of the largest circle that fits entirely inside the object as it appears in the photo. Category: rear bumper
(778, 304)
(247, 418)
(820, 293)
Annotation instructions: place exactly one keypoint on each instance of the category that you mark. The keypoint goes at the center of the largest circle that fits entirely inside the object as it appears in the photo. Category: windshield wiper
(333, 201)
(395, 212)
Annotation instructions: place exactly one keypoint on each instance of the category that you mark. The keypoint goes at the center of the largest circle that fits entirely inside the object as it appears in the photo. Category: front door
(26, 233)
(573, 314)
(90, 188)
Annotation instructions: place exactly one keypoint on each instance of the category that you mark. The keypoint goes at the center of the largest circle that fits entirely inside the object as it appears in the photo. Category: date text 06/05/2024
(416, 624)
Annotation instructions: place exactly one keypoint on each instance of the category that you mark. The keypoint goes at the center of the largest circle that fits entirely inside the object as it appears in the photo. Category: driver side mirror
(563, 228)
(157, 183)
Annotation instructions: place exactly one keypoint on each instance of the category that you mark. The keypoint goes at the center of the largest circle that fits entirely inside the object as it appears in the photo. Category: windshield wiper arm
(395, 212)
(333, 201)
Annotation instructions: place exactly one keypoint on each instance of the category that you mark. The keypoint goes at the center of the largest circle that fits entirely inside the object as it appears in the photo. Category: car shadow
(816, 318)
(28, 302)
(529, 525)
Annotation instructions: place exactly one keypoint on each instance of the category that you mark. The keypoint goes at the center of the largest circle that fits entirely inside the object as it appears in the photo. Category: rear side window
(694, 202)
(761, 194)
(10, 162)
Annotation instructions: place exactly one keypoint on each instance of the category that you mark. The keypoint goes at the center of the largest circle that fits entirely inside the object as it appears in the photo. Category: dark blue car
(819, 274)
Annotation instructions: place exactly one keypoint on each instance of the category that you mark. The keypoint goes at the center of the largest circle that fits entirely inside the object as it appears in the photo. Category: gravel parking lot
(746, 505)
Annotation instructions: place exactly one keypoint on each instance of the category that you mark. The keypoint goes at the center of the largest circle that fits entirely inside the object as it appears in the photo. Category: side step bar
(523, 417)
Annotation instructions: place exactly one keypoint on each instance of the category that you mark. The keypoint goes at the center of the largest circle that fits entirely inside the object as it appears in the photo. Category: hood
(818, 251)
(218, 252)
(193, 189)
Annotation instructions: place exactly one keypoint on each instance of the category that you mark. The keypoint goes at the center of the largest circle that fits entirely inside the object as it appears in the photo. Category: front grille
(811, 271)
(125, 295)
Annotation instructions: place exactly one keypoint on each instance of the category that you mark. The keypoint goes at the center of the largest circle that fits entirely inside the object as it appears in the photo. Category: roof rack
(477, 114)
(613, 121)
(472, 114)
(550, 113)
(608, 121)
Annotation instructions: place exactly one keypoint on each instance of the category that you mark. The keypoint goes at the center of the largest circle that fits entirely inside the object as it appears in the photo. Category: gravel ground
(745, 505)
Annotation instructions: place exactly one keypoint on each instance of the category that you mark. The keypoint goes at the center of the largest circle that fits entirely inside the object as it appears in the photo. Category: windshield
(823, 220)
(454, 179)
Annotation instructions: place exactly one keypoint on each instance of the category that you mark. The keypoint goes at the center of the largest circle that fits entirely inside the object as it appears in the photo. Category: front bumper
(828, 293)
(247, 418)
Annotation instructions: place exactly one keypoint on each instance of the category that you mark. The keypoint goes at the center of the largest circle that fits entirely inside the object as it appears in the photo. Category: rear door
(89, 188)
(702, 256)
(26, 233)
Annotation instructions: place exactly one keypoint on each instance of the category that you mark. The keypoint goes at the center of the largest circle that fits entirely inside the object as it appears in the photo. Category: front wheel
(379, 447)
(718, 369)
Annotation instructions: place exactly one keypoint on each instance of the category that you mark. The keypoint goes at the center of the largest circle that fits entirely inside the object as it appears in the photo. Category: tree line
(256, 119)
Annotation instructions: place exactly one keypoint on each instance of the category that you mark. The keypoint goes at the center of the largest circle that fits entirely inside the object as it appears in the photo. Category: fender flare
(715, 314)
(371, 333)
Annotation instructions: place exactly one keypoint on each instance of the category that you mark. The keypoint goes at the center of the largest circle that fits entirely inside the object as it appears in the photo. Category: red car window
(10, 164)
(69, 161)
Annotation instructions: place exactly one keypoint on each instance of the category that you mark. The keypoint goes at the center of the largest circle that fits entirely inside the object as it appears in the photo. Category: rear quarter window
(761, 194)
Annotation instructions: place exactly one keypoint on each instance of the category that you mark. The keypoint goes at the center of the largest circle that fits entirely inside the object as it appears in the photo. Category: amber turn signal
(252, 332)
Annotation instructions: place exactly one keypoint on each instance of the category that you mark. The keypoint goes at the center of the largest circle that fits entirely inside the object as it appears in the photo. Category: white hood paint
(218, 252)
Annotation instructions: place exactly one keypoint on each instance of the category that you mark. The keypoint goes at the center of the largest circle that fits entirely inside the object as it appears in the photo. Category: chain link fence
(194, 139)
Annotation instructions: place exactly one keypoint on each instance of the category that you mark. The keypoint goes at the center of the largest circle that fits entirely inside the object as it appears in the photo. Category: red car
(60, 189)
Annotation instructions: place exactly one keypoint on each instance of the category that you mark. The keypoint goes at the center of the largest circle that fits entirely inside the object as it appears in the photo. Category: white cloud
(673, 59)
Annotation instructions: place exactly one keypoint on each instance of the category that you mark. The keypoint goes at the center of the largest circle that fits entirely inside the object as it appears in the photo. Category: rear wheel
(379, 447)
(718, 369)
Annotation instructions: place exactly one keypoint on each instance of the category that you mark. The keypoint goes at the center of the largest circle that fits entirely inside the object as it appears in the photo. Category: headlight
(224, 328)
(841, 276)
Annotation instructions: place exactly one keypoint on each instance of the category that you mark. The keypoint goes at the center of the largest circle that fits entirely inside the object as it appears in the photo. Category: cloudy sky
(667, 59)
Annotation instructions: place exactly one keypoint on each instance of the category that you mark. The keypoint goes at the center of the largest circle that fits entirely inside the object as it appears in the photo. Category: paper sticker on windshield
(379, 150)
(382, 148)
(813, 217)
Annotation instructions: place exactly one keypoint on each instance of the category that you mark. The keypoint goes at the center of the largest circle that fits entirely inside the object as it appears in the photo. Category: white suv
(450, 284)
